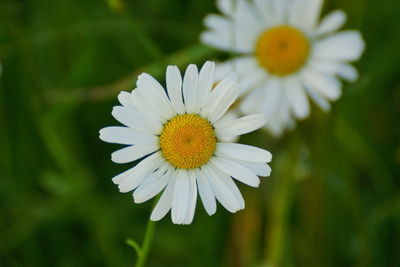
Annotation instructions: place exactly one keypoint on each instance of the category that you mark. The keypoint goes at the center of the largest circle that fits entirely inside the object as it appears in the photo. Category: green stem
(148, 238)
(283, 201)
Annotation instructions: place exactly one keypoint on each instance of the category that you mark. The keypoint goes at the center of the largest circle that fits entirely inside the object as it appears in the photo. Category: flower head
(180, 138)
(285, 55)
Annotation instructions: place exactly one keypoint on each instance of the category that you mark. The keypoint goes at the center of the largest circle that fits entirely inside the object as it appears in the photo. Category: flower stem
(148, 238)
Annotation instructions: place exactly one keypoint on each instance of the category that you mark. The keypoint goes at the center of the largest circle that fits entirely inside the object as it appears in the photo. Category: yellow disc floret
(187, 141)
(282, 50)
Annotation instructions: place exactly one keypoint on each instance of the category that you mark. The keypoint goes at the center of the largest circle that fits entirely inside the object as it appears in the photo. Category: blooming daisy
(179, 137)
(284, 55)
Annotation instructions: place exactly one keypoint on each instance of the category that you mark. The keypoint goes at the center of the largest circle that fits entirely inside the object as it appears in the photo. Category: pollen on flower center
(282, 50)
(187, 141)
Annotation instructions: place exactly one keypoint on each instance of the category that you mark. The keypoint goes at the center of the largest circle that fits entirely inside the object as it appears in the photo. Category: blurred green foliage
(332, 200)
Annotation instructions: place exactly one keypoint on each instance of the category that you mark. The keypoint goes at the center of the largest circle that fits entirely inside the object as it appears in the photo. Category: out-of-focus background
(333, 196)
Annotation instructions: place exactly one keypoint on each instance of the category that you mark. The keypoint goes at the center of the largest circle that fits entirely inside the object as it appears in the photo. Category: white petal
(125, 98)
(138, 173)
(244, 152)
(297, 97)
(174, 87)
(132, 153)
(229, 117)
(347, 72)
(206, 81)
(253, 102)
(280, 9)
(260, 169)
(142, 105)
(224, 188)
(252, 80)
(237, 171)
(267, 11)
(220, 99)
(346, 45)
(192, 197)
(344, 70)
(327, 85)
(225, 6)
(316, 96)
(182, 198)
(126, 136)
(206, 193)
(165, 202)
(220, 33)
(241, 126)
(305, 14)
(250, 72)
(153, 185)
(331, 22)
(154, 95)
(273, 97)
(136, 120)
(190, 84)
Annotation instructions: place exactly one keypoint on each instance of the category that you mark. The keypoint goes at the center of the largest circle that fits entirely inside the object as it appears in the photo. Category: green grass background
(332, 199)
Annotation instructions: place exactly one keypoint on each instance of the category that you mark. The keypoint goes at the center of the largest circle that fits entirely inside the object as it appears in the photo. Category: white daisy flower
(180, 138)
(285, 55)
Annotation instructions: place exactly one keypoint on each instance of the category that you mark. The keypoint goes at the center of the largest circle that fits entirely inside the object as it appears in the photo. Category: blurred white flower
(285, 55)
(180, 137)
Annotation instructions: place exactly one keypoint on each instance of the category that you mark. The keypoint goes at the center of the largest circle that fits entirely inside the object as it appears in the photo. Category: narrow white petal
(252, 102)
(305, 14)
(181, 198)
(174, 87)
(229, 117)
(192, 198)
(219, 40)
(142, 105)
(331, 22)
(153, 185)
(246, 16)
(136, 120)
(154, 95)
(190, 85)
(132, 153)
(221, 98)
(297, 97)
(143, 169)
(316, 96)
(165, 202)
(225, 6)
(244, 152)
(260, 169)
(236, 171)
(252, 80)
(125, 98)
(126, 136)
(347, 72)
(343, 70)
(241, 126)
(346, 45)
(206, 81)
(265, 8)
(273, 97)
(224, 188)
(242, 65)
(280, 9)
(327, 85)
(206, 192)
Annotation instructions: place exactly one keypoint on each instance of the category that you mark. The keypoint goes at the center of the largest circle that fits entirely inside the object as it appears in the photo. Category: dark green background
(332, 199)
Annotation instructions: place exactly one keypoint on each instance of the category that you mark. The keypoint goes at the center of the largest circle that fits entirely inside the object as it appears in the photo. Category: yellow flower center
(282, 50)
(187, 141)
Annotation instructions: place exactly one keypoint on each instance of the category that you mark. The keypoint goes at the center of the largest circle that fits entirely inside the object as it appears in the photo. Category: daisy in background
(179, 137)
(285, 55)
